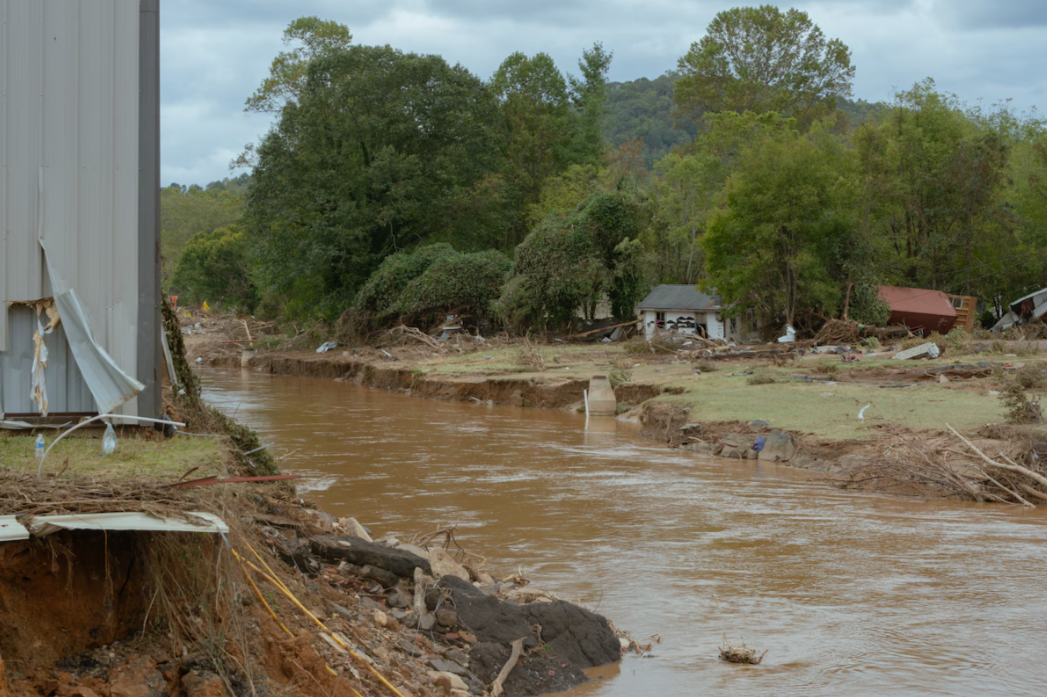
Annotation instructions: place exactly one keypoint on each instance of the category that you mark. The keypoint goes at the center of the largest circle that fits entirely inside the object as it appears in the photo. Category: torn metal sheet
(109, 385)
(168, 359)
(11, 530)
(142, 522)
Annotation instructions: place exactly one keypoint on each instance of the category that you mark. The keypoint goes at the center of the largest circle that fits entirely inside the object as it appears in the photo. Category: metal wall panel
(66, 390)
(69, 164)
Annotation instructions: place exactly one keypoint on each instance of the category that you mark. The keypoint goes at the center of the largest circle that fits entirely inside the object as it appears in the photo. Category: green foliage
(775, 245)
(642, 109)
(568, 265)
(213, 267)
(290, 69)
(761, 59)
(185, 211)
(761, 379)
(590, 101)
(461, 283)
(536, 123)
(425, 285)
(374, 156)
(867, 307)
(381, 294)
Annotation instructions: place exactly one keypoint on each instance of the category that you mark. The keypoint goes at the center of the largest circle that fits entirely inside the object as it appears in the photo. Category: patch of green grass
(134, 457)
(802, 407)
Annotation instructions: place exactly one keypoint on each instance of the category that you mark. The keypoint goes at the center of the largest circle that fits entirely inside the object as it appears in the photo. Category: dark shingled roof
(669, 297)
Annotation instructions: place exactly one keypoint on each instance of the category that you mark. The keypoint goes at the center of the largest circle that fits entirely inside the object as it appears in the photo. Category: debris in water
(739, 654)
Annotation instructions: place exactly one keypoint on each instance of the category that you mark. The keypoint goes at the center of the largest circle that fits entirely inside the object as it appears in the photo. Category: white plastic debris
(109, 440)
(929, 349)
(39, 446)
(327, 346)
(861, 414)
(789, 336)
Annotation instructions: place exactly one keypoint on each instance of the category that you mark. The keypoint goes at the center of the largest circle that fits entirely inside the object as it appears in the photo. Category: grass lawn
(134, 456)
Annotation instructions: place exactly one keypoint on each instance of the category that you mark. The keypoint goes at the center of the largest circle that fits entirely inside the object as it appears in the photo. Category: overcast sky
(216, 52)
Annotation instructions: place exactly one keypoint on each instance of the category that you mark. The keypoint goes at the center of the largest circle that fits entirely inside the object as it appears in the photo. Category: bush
(761, 379)
(867, 307)
(620, 376)
(213, 267)
(1031, 377)
(382, 290)
(1020, 409)
(706, 366)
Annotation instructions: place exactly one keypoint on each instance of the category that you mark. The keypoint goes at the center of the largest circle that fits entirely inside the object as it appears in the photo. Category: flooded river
(851, 594)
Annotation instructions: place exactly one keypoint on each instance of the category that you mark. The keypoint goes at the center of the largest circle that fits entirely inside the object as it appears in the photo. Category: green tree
(290, 69)
(786, 223)
(762, 59)
(589, 95)
(537, 125)
(185, 211)
(375, 156)
(213, 267)
(567, 265)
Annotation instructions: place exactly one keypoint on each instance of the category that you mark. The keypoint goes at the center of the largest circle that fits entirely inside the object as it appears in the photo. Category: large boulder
(733, 445)
(778, 447)
(356, 550)
(571, 632)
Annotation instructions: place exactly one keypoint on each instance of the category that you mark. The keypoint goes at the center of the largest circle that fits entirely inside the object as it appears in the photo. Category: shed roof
(918, 301)
(679, 297)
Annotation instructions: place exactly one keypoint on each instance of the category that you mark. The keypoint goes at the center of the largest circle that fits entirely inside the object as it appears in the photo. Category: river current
(849, 593)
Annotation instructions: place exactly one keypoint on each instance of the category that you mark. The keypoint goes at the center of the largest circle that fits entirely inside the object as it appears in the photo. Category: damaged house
(80, 330)
(922, 311)
(685, 309)
(1031, 308)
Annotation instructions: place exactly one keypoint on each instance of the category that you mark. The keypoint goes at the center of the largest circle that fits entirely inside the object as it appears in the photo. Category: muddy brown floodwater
(851, 594)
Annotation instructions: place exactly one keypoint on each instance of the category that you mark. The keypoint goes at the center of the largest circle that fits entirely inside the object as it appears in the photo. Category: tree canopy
(762, 59)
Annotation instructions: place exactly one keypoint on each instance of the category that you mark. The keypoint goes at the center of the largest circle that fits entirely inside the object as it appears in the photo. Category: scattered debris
(740, 654)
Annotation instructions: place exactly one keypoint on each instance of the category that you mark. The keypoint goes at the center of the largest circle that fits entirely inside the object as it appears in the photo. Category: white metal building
(79, 208)
(685, 309)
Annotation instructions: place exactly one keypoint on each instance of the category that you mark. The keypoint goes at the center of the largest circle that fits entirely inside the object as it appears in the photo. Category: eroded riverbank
(851, 593)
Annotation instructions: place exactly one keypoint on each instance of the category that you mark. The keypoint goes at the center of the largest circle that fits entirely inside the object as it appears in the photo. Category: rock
(624, 643)
(432, 599)
(368, 604)
(295, 552)
(387, 578)
(443, 564)
(409, 647)
(943, 380)
(778, 447)
(733, 445)
(380, 618)
(426, 622)
(398, 599)
(698, 446)
(383, 655)
(445, 666)
(202, 684)
(411, 621)
(352, 527)
(458, 656)
(446, 617)
(423, 553)
(138, 677)
(358, 551)
(347, 614)
(448, 681)
(538, 675)
(398, 614)
(759, 423)
(573, 633)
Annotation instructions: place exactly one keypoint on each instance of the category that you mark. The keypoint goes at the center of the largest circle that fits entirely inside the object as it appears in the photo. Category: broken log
(334, 548)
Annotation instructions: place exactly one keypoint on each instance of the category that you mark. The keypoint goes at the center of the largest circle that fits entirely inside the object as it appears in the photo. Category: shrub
(761, 379)
(1031, 377)
(467, 283)
(706, 366)
(867, 307)
(529, 356)
(620, 376)
(382, 290)
(1020, 409)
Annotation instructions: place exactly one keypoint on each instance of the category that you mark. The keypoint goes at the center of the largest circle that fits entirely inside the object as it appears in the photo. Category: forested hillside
(394, 186)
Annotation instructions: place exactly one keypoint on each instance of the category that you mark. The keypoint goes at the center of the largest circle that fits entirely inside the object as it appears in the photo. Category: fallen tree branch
(1011, 465)
(496, 686)
(602, 329)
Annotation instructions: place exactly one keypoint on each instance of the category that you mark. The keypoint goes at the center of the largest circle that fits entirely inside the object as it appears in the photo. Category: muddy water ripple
(851, 594)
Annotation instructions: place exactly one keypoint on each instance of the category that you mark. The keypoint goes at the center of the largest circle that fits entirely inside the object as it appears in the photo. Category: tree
(537, 127)
(374, 157)
(568, 265)
(185, 211)
(290, 69)
(786, 224)
(214, 267)
(589, 95)
(760, 59)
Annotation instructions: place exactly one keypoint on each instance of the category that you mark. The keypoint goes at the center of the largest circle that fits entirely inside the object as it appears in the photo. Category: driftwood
(602, 329)
(496, 686)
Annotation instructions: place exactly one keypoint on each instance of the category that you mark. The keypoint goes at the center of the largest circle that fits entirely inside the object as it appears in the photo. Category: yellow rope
(262, 598)
(271, 577)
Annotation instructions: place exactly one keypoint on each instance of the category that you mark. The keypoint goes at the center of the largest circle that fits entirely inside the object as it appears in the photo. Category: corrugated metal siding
(66, 390)
(69, 152)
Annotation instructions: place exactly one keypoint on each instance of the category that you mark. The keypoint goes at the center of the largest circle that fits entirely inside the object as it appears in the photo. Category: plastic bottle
(109, 440)
(40, 446)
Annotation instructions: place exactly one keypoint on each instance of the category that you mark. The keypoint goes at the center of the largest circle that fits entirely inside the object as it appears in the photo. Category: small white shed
(684, 309)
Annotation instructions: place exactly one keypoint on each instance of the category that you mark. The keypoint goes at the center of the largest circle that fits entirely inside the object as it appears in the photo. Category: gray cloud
(214, 54)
